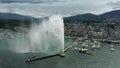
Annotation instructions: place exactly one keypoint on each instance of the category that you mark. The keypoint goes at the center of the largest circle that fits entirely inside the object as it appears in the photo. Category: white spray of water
(46, 37)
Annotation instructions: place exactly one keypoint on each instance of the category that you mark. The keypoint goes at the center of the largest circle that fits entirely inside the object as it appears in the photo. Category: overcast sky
(40, 8)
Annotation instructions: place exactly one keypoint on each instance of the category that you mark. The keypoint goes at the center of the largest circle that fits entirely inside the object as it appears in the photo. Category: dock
(71, 45)
(108, 40)
(61, 54)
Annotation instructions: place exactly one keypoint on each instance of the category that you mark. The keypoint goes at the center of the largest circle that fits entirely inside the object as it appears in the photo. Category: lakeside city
(59, 34)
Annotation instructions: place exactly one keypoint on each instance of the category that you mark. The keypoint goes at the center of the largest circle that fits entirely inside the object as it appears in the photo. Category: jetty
(61, 54)
(71, 45)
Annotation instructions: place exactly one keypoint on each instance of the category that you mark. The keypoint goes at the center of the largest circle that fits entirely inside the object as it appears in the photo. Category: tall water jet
(44, 37)
(48, 36)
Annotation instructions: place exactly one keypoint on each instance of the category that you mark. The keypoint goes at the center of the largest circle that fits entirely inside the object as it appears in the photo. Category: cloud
(26, 1)
(115, 5)
(52, 7)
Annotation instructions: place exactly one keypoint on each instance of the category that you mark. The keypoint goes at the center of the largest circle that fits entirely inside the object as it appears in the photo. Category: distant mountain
(112, 15)
(87, 16)
(13, 16)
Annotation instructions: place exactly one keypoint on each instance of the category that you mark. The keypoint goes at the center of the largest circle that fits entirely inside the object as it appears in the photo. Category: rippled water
(102, 58)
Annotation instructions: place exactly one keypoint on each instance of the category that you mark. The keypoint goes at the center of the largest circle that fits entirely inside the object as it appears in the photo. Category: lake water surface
(102, 58)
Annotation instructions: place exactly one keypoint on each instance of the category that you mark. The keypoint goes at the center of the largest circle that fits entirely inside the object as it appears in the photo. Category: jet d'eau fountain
(44, 37)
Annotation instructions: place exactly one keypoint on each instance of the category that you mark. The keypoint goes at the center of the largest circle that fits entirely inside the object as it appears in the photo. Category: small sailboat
(96, 44)
(84, 44)
(112, 48)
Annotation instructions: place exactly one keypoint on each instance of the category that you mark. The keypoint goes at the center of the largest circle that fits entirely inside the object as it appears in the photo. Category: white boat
(98, 46)
(84, 45)
(94, 46)
(112, 49)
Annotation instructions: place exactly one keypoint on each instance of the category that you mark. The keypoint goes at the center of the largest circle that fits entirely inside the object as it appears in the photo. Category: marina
(72, 45)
